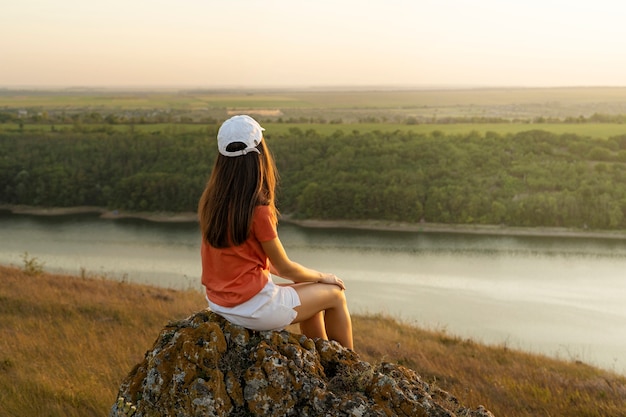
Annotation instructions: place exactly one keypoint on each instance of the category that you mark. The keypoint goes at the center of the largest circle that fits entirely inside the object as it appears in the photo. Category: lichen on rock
(207, 366)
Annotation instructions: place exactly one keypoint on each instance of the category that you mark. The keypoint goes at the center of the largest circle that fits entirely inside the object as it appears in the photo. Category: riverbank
(501, 230)
(104, 213)
(379, 225)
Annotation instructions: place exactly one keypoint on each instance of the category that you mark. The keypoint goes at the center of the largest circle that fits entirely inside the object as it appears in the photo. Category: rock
(206, 366)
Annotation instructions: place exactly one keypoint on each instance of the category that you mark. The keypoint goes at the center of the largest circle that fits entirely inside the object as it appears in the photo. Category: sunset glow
(196, 43)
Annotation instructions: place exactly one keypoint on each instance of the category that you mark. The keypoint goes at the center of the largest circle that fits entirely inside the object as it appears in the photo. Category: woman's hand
(332, 279)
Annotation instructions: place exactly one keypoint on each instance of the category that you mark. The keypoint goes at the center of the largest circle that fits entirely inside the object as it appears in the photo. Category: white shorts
(271, 309)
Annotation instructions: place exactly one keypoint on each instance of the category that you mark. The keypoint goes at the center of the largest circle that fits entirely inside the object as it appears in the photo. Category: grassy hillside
(67, 342)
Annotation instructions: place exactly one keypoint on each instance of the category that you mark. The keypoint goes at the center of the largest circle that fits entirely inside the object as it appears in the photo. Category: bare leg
(314, 327)
(316, 298)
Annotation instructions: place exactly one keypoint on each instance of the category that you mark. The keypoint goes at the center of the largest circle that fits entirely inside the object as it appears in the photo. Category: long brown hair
(236, 186)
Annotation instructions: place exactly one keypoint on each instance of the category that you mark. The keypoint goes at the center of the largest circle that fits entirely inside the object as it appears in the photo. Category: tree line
(531, 178)
(61, 117)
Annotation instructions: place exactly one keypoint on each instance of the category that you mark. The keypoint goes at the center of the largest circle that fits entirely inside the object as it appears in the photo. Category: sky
(321, 43)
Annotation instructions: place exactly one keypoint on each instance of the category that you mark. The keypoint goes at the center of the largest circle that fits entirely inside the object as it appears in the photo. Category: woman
(241, 247)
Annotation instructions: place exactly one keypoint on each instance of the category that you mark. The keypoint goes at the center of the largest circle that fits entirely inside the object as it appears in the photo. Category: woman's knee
(338, 295)
(324, 294)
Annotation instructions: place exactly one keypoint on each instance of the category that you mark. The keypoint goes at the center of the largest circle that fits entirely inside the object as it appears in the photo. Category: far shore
(104, 213)
(379, 225)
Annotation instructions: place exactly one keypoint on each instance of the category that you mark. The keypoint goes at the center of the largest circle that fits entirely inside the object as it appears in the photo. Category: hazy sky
(259, 43)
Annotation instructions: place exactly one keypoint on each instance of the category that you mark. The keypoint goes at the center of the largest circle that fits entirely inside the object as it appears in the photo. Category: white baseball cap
(242, 129)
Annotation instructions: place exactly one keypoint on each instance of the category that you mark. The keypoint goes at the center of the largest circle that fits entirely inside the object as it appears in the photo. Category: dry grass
(509, 383)
(67, 342)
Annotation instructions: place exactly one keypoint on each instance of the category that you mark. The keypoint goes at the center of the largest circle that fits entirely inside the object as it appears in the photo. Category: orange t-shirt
(236, 274)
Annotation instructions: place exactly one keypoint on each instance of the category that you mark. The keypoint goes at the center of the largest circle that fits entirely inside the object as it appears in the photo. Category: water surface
(564, 296)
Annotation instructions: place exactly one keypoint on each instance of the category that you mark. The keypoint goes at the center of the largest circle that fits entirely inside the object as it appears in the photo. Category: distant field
(592, 130)
(151, 100)
(328, 111)
(312, 98)
(497, 102)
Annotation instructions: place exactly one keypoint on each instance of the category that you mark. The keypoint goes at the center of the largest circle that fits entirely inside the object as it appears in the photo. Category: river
(561, 296)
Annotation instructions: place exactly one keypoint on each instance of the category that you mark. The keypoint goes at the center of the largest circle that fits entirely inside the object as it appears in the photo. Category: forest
(531, 178)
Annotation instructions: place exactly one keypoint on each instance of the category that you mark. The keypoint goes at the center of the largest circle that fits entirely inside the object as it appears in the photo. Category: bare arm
(284, 267)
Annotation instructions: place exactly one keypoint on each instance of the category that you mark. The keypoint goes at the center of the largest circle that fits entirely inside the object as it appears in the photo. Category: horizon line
(320, 88)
